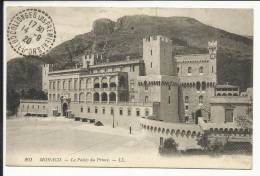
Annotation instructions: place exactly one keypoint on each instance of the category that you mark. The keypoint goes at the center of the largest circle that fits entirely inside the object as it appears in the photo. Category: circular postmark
(31, 32)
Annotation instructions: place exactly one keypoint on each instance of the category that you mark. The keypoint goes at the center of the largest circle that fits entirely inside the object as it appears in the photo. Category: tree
(13, 101)
(169, 146)
(244, 121)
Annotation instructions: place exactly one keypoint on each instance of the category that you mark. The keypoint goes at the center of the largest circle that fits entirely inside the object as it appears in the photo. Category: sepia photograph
(129, 87)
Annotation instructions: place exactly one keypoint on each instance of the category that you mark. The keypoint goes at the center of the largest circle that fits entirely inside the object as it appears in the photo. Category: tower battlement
(213, 47)
(156, 38)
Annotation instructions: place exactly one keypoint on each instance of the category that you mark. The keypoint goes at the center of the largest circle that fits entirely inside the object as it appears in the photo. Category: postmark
(31, 32)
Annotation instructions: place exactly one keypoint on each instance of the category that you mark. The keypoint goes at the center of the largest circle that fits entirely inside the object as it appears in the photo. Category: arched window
(137, 112)
(112, 81)
(81, 97)
(69, 86)
(104, 82)
(53, 84)
(201, 69)
(146, 112)
(81, 84)
(203, 85)
(200, 99)
(112, 96)
(189, 69)
(75, 97)
(96, 96)
(88, 97)
(146, 99)
(104, 97)
(198, 85)
(186, 99)
(63, 85)
(75, 83)
(88, 83)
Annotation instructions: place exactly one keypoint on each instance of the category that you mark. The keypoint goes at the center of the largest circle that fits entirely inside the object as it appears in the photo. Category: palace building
(158, 86)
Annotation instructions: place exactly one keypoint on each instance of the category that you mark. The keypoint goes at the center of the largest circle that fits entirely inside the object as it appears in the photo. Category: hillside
(124, 38)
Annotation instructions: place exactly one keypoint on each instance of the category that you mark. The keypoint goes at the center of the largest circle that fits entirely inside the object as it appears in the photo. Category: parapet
(157, 38)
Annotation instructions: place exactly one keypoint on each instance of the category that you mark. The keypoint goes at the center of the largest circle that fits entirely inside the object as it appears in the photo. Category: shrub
(169, 146)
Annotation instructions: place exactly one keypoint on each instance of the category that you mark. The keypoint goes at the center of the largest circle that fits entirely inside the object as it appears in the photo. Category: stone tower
(212, 47)
(160, 84)
(45, 79)
(157, 56)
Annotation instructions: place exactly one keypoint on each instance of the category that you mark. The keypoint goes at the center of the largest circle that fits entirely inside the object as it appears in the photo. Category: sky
(72, 21)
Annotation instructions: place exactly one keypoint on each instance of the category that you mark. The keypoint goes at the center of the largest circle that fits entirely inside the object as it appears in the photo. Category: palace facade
(158, 86)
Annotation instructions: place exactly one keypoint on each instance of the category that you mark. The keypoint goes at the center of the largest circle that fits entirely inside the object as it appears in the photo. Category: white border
(58, 171)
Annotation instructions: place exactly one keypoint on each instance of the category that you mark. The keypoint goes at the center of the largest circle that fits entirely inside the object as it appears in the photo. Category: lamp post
(113, 118)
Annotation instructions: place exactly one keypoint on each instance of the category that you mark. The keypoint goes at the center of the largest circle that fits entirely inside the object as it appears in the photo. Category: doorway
(64, 109)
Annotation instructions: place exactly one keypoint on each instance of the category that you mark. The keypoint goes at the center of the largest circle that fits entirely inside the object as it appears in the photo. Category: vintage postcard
(129, 87)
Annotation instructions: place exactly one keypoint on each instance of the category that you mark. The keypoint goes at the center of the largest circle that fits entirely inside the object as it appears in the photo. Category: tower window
(228, 115)
(137, 112)
(88, 109)
(129, 112)
(212, 69)
(178, 69)
(169, 100)
(151, 65)
(186, 107)
(151, 52)
(201, 70)
(96, 110)
(81, 109)
(169, 88)
(186, 100)
(189, 69)
(121, 111)
(200, 99)
(146, 99)
(103, 110)
(146, 87)
(146, 112)
(112, 111)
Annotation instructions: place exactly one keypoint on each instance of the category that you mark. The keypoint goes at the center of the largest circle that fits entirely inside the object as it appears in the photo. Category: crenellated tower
(212, 47)
(157, 56)
(160, 83)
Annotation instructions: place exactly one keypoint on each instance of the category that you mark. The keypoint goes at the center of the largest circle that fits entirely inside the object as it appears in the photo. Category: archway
(64, 109)
(198, 114)
(104, 97)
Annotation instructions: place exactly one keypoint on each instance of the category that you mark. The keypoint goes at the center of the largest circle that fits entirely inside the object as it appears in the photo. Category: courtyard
(57, 141)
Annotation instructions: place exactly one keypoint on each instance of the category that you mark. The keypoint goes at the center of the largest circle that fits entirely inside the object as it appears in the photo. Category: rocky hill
(124, 38)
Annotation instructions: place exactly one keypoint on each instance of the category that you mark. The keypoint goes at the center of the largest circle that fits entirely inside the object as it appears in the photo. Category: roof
(192, 56)
(226, 86)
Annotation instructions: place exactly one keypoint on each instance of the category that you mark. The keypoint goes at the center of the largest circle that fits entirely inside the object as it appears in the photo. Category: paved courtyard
(64, 142)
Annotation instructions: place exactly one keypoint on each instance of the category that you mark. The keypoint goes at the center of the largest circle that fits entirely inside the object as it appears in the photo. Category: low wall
(185, 135)
(36, 107)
